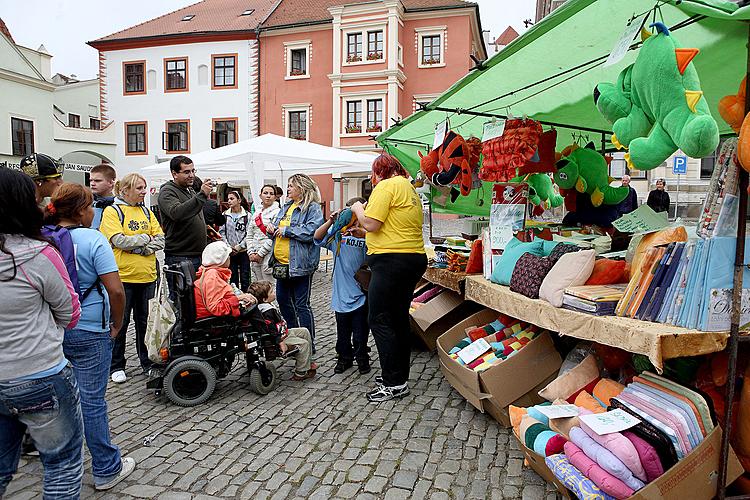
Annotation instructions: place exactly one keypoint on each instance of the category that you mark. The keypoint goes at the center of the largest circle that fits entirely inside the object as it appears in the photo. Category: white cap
(215, 254)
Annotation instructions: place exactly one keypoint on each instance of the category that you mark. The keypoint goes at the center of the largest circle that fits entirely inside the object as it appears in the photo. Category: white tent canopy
(255, 159)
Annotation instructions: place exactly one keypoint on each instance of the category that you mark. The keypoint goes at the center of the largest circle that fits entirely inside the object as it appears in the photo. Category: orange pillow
(476, 258)
(608, 272)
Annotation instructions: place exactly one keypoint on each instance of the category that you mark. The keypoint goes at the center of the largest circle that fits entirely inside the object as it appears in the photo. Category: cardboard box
(694, 477)
(513, 381)
(439, 314)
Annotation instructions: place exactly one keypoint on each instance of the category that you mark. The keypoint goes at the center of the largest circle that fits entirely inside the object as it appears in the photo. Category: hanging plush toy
(505, 154)
(657, 106)
(585, 170)
(542, 192)
(544, 158)
(449, 164)
(732, 110)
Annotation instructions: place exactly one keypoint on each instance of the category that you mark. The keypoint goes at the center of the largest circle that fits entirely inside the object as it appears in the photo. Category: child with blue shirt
(349, 302)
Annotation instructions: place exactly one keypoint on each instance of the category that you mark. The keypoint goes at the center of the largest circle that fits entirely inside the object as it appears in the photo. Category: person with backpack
(102, 183)
(234, 233)
(37, 302)
(88, 346)
(135, 236)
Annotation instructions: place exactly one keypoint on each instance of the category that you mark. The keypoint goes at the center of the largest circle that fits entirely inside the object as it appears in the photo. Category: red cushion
(608, 272)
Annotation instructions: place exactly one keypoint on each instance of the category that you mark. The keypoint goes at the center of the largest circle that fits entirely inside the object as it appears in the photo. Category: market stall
(544, 130)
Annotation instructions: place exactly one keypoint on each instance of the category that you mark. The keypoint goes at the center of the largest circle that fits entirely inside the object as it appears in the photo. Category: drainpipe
(257, 111)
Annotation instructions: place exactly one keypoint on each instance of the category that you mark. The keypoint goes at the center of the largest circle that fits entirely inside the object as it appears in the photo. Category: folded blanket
(583, 487)
(603, 479)
(605, 458)
(620, 446)
(648, 455)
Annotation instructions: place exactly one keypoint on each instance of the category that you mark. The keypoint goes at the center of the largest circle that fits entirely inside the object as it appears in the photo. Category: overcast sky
(64, 26)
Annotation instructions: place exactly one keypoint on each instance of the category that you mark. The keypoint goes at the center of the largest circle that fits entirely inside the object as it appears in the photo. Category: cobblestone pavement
(318, 439)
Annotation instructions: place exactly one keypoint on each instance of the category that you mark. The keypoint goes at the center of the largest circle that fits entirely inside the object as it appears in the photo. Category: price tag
(609, 422)
(558, 411)
(626, 39)
(493, 130)
(441, 129)
(473, 351)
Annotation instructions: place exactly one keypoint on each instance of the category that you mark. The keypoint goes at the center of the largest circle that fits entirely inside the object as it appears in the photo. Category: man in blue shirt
(102, 183)
(348, 301)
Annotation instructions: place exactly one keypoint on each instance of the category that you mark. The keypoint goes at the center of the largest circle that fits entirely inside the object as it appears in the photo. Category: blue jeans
(90, 353)
(293, 296)
(137, 296)
(240, 266)
(50, 408)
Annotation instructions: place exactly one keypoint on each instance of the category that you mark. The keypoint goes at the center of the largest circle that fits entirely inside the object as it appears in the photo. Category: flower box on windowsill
(374, 56)
(353, 130)
(431, 61)
(297, 72)
(375, 128)
(352, 59)
(299, 137)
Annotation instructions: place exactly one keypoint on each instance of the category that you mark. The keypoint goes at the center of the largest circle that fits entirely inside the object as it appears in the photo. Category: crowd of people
(77, 264)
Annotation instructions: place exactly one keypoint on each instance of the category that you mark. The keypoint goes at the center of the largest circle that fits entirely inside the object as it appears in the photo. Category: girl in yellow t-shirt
(395, 248)
(135, 235)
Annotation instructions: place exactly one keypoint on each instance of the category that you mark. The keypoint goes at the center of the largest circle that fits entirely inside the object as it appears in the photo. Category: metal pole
(734, 329)
(677, 198)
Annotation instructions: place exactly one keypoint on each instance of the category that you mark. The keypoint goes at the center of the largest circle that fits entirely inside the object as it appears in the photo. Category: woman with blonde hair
(135, 235)
(295, 256)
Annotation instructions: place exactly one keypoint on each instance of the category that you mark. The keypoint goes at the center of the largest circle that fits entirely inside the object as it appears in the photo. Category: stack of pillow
(673, 421)
(544, 269)
(505, 336)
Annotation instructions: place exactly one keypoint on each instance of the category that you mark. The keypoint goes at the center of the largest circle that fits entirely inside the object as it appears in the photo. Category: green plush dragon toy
(541, 190)
(656, 106)
(585, 170)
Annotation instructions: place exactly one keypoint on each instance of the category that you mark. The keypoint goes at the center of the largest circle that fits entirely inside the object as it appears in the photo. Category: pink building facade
(341, 79)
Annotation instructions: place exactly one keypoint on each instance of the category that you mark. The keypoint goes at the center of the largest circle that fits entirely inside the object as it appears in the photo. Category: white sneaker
(128, 466)
(119, 377)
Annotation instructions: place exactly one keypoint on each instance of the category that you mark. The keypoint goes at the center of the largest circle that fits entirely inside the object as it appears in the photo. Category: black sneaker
(364, 366)
(385, 393)
(342, 365)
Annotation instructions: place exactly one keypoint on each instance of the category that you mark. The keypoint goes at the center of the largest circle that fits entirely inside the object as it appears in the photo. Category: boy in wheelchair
(295, 342)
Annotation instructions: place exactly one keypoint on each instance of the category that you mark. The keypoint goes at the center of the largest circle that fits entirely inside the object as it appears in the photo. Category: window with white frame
(297, 119)
(374, 115)
(431, 52)
(431, 46)
(297, 59)
(353, 47)
(375, 45)
(353, 117)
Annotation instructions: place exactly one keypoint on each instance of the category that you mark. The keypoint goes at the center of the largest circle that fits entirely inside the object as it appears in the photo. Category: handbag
(281, 271)
(363, 277)
(161, 317)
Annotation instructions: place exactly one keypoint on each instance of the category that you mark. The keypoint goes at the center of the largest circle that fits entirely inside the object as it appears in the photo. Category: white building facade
(38, 115)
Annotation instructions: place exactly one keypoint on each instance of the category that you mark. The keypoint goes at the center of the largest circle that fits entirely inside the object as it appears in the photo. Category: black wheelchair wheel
(189, 382)
(260, 386)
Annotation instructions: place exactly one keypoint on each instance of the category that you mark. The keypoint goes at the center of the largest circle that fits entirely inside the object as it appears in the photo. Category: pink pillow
(572, 269)
(620, 446)
(648, 455)
(603, 479)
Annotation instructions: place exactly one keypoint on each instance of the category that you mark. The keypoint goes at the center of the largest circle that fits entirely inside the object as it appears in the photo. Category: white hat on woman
(215, 254)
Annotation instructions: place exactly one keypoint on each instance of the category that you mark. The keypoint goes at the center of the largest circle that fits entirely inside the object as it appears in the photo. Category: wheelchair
(201, 351)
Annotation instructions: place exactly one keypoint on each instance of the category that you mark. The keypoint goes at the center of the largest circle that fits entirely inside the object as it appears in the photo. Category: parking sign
(680, 165)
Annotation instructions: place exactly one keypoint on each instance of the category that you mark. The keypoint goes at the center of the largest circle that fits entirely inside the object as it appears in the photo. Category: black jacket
(212, 213)
(182, 220)
(658, 201)
(630, 202)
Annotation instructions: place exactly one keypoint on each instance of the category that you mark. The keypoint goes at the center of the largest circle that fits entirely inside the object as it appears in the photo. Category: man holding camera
(181, 209)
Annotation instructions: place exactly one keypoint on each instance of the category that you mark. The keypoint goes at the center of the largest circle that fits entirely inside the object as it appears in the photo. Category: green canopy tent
(550, 72)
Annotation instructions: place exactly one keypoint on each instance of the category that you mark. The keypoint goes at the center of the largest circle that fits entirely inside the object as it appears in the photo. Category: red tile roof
(300, 12)
(507, 36)
(5, 31)
(210, 16)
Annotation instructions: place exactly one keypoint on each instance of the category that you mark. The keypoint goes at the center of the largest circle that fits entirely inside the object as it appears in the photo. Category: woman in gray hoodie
(38, 390)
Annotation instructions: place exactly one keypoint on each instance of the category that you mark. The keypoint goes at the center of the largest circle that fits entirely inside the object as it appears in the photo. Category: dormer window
(187, 17)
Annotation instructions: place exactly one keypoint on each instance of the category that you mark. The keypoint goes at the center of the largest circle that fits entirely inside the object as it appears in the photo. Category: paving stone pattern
(318, 439)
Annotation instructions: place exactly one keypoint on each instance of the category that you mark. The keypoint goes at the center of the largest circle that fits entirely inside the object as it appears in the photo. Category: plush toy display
(585, 170)
(542, 192)
(505, 154)
(450, 164)
(544, 158)
(656, 106)
(732, 110)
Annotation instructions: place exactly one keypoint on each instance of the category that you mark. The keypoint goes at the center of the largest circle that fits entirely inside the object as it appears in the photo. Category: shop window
(22, 132)
(354, 47)
(177, 137)
(298, 125)
(74, 120)
(224, 132)
(175, 75)
(224, 71)
(353, 117)
(136, 138)
(133, 79)
(374, 45)
(374, 115)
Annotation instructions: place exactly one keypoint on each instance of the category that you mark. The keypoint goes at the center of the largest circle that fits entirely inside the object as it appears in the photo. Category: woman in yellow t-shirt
(395, 254)
(135, 235)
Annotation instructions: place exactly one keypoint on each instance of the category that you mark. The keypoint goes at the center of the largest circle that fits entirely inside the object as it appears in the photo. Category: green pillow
(549, 246)
(513, 251)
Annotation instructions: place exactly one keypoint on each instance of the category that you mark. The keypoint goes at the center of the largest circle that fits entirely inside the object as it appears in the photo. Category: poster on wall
(507, 214)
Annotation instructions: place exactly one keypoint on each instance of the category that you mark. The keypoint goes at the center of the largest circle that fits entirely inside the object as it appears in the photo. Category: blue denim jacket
(304, 255)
